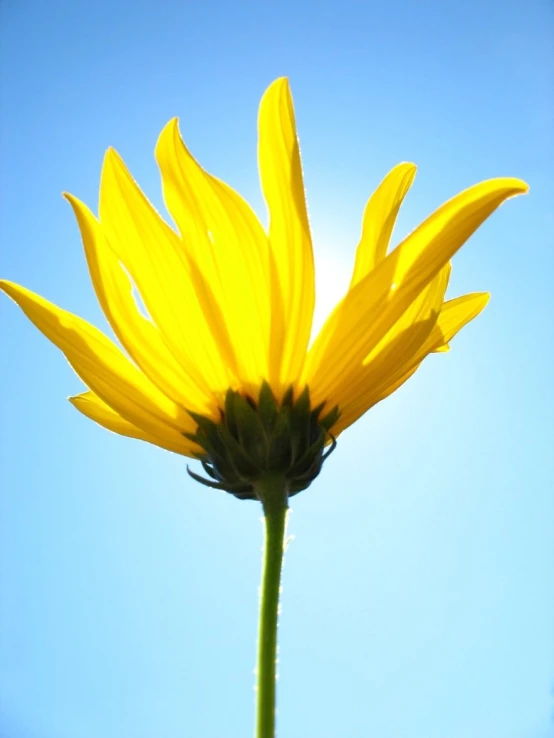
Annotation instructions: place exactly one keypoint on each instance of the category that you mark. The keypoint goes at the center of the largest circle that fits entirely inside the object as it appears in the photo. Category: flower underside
(256, 439)
(218, 301)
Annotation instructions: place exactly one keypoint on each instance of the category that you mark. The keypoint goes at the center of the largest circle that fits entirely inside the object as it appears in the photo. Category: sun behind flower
(230, 307)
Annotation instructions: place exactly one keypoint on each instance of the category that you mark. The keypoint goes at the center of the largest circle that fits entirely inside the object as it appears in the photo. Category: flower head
(226, 308)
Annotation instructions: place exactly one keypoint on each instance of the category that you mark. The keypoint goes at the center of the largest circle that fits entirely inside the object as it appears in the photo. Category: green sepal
(214, 447)
(229, 417)
(255, 439)
(202, 422)
(300, 483)
(239, 460)
(267, 407)
(207, 482)
(251, 434)
(331, 448)
(280, 453)
(329, 420)
(305, 461)
(240, 490)
(211, 471)
(300, 424)
(316, 412)
(288, 397)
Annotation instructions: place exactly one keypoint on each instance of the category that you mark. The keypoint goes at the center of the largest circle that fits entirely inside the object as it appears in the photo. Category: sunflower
(221, 305)
(214, 320)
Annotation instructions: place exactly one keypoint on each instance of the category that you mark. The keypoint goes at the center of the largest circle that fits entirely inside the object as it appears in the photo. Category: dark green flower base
(254, 440)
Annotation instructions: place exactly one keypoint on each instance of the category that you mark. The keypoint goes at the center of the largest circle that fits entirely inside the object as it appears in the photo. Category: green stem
(273, 494)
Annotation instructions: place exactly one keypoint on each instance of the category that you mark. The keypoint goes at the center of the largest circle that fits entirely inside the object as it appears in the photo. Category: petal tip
(517, 186)
(279, 82)
(172, 124)
(71, 199)
(169, 133)
(111, 159)
(278, 89)
(524, 186)
(6, 285)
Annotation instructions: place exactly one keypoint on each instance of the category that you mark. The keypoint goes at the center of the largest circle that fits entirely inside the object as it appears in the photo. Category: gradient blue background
(418, 589)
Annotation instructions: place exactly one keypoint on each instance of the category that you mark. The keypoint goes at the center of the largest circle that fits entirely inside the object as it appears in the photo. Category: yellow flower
(224, 305)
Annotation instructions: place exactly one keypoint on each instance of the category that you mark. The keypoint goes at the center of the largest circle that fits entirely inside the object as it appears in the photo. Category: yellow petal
(92, 407)
(424, 310)
(173, 291)
(379, 219)
(104, 368)
(353, 389)
(227, 242)
(293, 284)
(391, 387)
(139, 336)
(376, 303)
(454, 315)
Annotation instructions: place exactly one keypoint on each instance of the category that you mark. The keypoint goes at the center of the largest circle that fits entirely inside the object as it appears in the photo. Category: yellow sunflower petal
(367, 401)
(293, 285)
(174, 293)
(92, 407)
(227, 242)
(454, 315)
(376, 303)
(103, 367)
(396, 349)
(379, 219)
(424, 310)
(139, 336)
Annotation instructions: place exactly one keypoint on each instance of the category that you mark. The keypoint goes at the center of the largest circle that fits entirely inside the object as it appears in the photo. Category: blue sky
(418, 598)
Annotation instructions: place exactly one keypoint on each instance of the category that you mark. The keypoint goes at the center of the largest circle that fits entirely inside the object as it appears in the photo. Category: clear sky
(418, 597)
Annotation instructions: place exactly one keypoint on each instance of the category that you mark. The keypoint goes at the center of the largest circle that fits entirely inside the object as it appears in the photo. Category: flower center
(256, 439)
